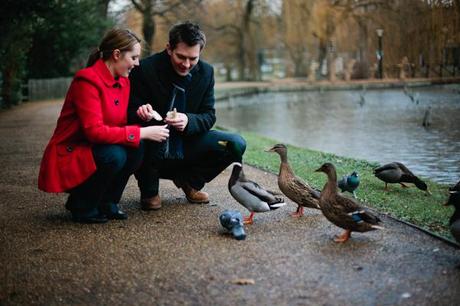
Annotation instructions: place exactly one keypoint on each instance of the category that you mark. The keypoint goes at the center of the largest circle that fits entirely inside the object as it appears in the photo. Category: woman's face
(125, 61)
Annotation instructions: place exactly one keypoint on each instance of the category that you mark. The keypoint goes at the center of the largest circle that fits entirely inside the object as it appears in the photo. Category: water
(383, 126)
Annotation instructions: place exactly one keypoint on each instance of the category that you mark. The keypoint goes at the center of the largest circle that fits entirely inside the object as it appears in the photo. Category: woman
(93, 152)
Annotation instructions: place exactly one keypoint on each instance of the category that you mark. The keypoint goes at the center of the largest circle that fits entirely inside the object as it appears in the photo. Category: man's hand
(146, 113)
(179, 122)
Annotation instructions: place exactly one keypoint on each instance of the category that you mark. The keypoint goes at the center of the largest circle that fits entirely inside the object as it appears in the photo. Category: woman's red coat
(94, 112)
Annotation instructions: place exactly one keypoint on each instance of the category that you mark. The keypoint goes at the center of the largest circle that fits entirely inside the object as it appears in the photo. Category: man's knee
(240, 142)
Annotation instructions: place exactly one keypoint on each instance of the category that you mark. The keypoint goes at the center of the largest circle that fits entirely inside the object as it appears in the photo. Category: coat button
(116, 85)
(131, 137)
(69, 149)
(116, 102)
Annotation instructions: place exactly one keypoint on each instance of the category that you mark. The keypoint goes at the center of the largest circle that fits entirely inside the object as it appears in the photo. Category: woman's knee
(110, 157)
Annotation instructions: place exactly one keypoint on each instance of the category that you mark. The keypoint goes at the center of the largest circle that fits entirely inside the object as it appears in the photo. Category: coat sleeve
(205, 118)
(89, 110)
(139, 94)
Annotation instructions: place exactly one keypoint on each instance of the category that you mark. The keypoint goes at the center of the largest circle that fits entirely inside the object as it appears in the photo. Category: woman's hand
(146, 113)
(156, 133)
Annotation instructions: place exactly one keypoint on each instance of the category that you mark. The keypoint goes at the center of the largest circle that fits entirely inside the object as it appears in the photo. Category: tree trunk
(148, 27)
(363, 49)
(104, 7)
(249, 46)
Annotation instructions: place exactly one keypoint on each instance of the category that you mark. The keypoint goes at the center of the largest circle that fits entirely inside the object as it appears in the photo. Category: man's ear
(168, 49)
(116, 54)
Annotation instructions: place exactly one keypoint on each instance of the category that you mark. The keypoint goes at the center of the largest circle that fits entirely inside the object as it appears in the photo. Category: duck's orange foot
(298, 213)
(249, 219)
(344, 237)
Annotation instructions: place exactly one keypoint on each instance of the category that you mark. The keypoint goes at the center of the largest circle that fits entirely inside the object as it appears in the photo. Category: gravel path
(180, 255)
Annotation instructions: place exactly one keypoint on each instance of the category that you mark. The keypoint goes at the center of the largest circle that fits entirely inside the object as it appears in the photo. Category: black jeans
(203, 160)
(115, 164)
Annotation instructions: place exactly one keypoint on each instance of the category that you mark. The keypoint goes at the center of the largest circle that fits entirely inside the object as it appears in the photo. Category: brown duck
(294, 187)
(341, 211)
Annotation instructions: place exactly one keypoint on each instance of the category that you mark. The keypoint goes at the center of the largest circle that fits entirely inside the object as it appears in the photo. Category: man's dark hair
(188, 33)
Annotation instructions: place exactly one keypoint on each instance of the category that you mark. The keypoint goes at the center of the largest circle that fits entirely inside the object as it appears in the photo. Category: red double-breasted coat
(94, 111)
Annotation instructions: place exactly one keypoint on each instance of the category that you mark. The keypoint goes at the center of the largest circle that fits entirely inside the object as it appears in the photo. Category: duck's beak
(270, 150)
(428, 192)
(222, 143)
(318, 170)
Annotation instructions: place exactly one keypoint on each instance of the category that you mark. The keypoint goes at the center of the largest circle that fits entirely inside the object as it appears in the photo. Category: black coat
(151, 82)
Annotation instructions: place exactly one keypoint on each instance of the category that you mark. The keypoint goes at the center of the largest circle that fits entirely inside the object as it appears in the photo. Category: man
(178, 85)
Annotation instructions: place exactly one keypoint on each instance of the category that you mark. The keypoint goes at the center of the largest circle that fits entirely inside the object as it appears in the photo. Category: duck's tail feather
(277, 204)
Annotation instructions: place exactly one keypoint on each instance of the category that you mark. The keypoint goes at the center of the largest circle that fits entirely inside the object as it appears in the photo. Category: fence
(41, 89)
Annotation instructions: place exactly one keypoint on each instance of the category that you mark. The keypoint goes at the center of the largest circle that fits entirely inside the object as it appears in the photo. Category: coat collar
(167, 72)
(103, 71)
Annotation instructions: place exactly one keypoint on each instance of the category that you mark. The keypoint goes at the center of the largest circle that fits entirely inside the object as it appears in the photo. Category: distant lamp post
(380, 53)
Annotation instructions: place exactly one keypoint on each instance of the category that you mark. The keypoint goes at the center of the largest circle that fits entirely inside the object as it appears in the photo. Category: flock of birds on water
(344, 212)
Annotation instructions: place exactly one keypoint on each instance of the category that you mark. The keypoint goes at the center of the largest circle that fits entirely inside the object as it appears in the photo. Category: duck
(349, 183)
(294, 187)
(454, 222)
(251, 195)
(396, 172)
(342, 211)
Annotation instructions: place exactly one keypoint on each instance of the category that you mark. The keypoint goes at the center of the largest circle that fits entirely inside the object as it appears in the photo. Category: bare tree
(150, 10)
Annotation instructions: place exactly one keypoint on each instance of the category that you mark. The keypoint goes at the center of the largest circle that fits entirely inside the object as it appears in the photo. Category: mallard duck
(251, 195)
(454, 222)
(395, 172)
(349, 183)
(341, 211)
(294, 187)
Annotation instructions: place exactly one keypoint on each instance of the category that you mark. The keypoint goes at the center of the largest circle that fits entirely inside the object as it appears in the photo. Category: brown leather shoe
(152, 203)
(195, 196)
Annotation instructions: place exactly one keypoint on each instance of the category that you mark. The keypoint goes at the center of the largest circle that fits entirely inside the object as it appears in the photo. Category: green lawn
(408, 204)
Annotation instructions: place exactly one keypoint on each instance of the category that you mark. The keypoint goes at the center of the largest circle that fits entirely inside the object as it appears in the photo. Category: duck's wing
(299, 184)
(404, 169)
(304, 192)
(364, 216)
(356, 212)
(390, 166)
(259, 192)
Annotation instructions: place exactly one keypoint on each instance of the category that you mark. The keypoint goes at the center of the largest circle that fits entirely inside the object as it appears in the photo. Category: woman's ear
(116, 54)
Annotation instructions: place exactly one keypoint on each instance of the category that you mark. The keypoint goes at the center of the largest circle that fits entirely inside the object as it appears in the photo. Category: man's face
(184, 57)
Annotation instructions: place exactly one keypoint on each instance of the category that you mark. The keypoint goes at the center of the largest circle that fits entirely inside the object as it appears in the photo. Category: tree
(234, 27)
(296, 25)
(18, 19)
(150, 10)
(65, 37)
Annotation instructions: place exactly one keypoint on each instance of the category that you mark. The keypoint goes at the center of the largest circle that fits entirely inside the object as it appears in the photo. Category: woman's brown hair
(121, 39)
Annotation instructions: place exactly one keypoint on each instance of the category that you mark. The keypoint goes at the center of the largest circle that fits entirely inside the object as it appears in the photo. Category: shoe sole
(90, 221)
(198, 202)
(150, 208)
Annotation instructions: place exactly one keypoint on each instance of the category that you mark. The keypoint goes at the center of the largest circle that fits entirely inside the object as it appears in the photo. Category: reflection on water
(384, 126)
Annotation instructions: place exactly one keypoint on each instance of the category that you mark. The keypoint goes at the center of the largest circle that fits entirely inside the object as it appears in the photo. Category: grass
(408, 204)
